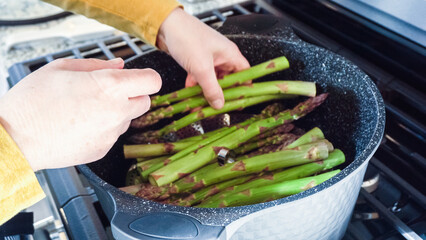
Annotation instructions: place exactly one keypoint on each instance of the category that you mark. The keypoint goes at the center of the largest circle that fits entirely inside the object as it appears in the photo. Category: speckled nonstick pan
(352, 117)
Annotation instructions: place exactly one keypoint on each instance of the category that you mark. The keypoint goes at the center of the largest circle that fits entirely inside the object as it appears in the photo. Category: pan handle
(162, 225)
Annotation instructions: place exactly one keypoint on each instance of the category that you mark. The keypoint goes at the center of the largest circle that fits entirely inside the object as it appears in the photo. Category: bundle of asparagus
(273, 158)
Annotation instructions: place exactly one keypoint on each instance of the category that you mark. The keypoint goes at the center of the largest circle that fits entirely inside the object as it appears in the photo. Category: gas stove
(391, 204)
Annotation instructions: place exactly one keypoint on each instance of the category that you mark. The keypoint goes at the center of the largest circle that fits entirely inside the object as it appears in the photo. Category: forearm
(19, 187)
(141, 18)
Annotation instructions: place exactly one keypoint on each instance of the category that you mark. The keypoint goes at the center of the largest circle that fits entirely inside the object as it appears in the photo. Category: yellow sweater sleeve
(19, 187)
(140, 18)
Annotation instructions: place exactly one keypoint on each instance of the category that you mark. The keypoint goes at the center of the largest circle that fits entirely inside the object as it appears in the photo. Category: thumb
(137, 106)
(205, 75)
(127, 83)
(88, 65)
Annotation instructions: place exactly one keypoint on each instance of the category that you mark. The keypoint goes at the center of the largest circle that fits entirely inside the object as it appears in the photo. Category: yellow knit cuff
(19, 187)
(140, 18)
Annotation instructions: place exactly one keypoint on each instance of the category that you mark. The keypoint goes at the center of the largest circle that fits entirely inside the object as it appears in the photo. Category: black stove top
(392, 203)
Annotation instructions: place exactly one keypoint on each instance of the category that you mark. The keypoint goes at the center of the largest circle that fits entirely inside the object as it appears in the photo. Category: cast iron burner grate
(396, 209)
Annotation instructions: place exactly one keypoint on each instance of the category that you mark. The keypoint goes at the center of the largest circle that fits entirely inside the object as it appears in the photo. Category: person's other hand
(72, 111)
(201, 51)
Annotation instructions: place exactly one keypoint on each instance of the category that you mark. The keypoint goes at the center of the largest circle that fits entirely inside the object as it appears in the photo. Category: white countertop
(34, 8)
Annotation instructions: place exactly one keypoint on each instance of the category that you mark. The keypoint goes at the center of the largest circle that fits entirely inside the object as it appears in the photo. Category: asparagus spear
(214, 173)
(269, 111)
(292, 88)
(214, 193)
(270, 192)
(301, 88)
(334, 159)
(269, 148)
(233, 79)
(150, 192)
(285, 128)
(153, 117)
(141, 159)
(211, 190)
(267, 162)
(148, 170)
(311, 136)
(132, 189)
(141, 166)
(145, 137)
(202, 136)
(209, 111)
(277, 139)
(133, 177)
(154, 150)
(153, 192)
(204, 155)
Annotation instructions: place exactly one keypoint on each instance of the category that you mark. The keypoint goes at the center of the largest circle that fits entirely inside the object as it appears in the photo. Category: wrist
(173, 22)
(10, 119)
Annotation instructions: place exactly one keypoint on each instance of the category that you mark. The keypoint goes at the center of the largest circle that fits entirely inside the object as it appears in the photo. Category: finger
(127, 83)
(123, 128)
(240, 62)
(138, 106)
(205, 75)
(231, 60)
(190, 81)
(236, 59)
(91, 64)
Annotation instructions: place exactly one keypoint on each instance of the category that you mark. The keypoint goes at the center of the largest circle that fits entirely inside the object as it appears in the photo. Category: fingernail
(115, 60)
(217, 104)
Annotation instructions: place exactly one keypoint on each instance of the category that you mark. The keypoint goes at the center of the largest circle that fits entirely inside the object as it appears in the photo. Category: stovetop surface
(392, 202)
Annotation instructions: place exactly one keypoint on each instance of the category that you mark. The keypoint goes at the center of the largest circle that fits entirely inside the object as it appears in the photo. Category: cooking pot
(352, 118)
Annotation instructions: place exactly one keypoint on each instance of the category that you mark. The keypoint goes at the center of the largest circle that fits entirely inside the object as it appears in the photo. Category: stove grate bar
(414, 156)
(399, 225)
(241, 9)
(413, 124)
(219, 15)
(263, 5)
(49, 58)
(132, 45)
(396, 179)
(106, 50)
(414, 96)
(415, 173)
(77, 53)
(357, 231)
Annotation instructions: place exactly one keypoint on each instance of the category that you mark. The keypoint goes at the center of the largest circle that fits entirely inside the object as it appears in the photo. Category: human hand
(72, 111)
(201, 51)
